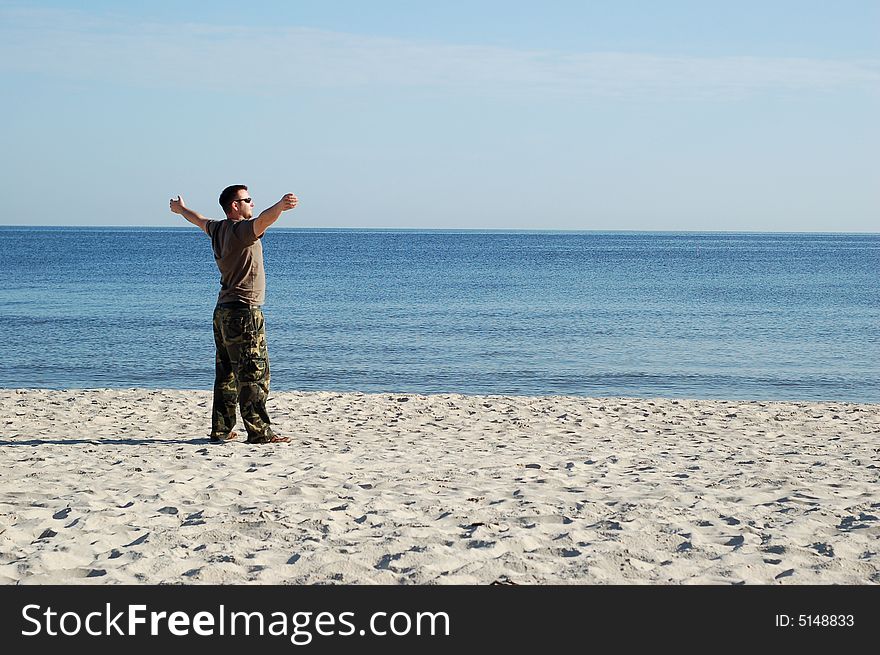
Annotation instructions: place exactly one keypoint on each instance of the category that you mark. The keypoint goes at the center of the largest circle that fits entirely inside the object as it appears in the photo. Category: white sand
(106, 486)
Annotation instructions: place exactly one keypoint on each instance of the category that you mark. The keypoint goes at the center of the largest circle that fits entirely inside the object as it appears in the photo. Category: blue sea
(686, 315)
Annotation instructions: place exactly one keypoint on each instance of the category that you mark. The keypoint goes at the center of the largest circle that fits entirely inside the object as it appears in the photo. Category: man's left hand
(289, 202)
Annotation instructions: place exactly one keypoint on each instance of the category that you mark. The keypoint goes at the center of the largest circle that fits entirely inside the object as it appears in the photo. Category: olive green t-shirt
(239, 256)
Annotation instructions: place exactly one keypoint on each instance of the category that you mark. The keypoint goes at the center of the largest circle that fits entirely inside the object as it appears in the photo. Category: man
(242, 360)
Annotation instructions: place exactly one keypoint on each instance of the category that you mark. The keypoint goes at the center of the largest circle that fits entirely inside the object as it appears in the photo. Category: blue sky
(493, 115)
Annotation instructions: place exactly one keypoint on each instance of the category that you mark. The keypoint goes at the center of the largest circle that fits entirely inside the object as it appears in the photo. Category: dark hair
(229, 194)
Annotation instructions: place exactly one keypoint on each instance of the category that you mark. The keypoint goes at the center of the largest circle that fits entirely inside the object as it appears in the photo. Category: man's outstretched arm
(269, 216)
(178, 207)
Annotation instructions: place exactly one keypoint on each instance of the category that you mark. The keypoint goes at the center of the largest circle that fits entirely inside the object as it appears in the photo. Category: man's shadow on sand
(198, 441)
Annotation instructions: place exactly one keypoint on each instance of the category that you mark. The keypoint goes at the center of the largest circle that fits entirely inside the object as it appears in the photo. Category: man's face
(240, 208)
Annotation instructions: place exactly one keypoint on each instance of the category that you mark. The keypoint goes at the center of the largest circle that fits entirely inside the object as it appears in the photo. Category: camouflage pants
(241, 372)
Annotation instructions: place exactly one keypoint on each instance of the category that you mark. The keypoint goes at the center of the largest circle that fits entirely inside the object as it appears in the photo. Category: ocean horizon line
(423, 230)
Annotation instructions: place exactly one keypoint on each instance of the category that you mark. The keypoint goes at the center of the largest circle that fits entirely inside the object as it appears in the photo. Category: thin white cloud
(280, 59)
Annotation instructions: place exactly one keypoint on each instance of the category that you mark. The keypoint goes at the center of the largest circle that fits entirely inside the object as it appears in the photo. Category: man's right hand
(177, 206)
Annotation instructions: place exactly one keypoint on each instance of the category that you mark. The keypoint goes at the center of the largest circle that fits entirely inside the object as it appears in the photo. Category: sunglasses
(247, 200)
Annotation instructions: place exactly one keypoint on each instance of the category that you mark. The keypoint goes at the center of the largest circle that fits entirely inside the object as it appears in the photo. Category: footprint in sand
(823, 549)
(137, 542)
